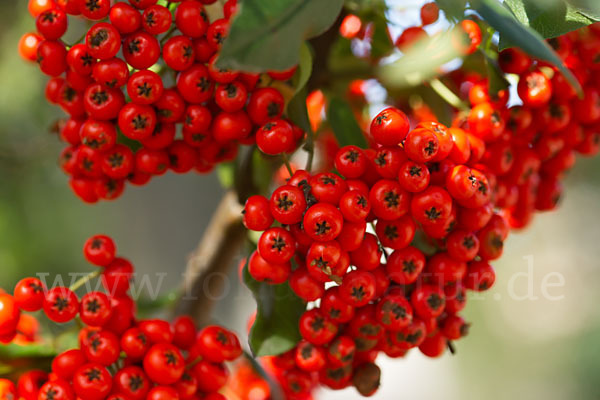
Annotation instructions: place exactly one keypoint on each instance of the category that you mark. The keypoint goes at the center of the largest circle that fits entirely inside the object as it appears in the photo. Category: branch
(322, 45)
(212, 257)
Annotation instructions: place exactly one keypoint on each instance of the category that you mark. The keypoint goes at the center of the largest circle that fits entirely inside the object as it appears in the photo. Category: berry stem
(286, 161)
(448, 95)
(451, 347)
(84, 279)
(309, 147)
(191, 364)
(167, 35)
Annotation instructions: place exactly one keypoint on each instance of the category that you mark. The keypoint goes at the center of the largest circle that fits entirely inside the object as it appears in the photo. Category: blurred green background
(524, 349)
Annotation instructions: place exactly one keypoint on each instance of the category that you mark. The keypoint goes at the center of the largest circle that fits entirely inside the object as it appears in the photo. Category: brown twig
(322, 46)
(209, 262)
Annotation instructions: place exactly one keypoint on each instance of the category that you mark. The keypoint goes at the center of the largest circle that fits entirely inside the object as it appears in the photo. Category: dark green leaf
(297, 111)
(454, 9)
(275, 329)
(381, 44)
(262, 171)
(550, 18)
(133, 145)
(304, 67)
(513, 33)
(344, 125)
(296, 108)
(366, 6)
(268, 34)
(496, 79)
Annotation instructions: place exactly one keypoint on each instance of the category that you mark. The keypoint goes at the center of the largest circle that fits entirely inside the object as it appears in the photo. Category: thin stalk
(448, 95)
(167, 35)
(286, 161)
(84, 279)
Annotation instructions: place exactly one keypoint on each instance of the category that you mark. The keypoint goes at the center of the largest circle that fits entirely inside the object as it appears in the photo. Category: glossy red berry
(323, 222)
(390, 127)
(95, 309)
(103, 41)
(357, 288)
(92, 381)
(52, 24)
(288, 204)
(99, 250)
(428, 301)
(275, 137)
(276, 245)
(61, 304)
(351, 162)
(141, 50)
(29, 294)
(317, 329)
(257, 215)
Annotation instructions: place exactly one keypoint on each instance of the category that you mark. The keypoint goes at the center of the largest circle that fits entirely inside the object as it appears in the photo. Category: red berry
(52, 24)
(103, 41)
(275, 137)
(276, 245)
(429, 13)
(390, 127)
(29, 294)
(99, 250)
(428, 301)
(191, 19)
(61, 304)
(141, 50)
(95, 309)
(317, 329)
(92, 381)
(288, 204)
(357, 288)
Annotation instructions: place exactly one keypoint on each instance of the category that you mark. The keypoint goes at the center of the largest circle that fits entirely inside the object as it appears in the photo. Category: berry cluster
(119, 357)
(439, 203)
(527, 149)
(143, 92)
(390, 288)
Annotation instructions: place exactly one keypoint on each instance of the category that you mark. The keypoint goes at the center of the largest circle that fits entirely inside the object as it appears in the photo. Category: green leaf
(453, 9)
(275, 329)
(344, 125)
(304, 67)
(496, 79)
(297, 111)
(421, 62)
(296, 107)
(589, 8)
(133, 145)
(16, 351)
(268, 34)
(381, 43)
(262, 170)
(551, 18)
(512, 32)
